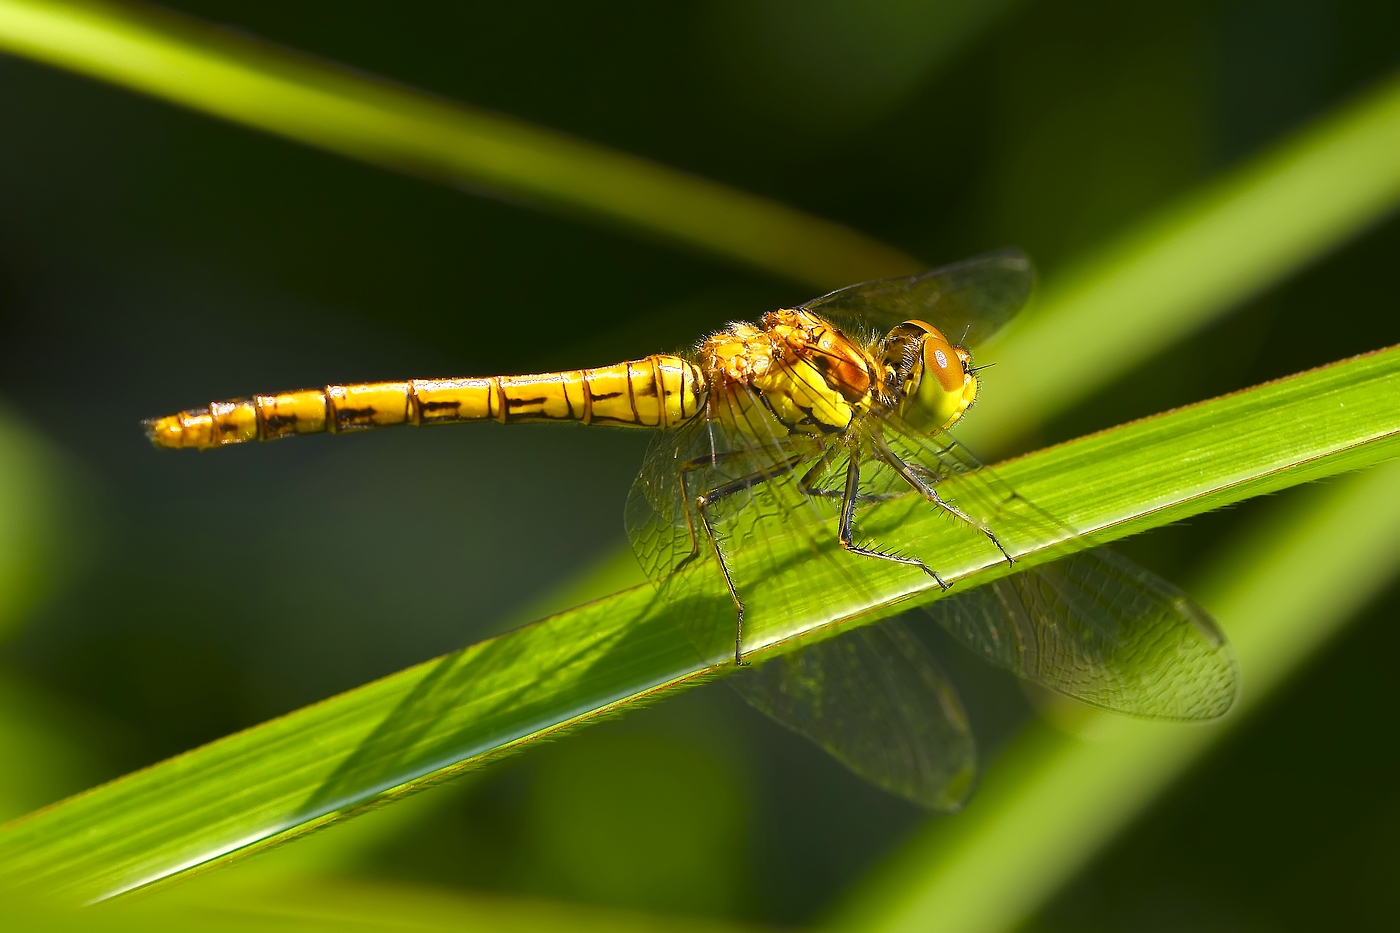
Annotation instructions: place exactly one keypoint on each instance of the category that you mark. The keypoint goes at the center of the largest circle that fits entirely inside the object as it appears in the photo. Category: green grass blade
(260, 85)
(1054, 800)
(1193, 262)
(440, 718)
(361, 905)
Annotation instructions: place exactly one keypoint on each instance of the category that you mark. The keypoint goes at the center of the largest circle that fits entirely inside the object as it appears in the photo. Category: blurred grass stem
(1179, 270)
(266, 87)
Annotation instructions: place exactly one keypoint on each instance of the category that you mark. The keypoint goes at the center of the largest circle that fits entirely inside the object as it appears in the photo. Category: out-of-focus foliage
(29, 522)
(1060, 793)
(1194, 261)
(150, 259)
(41, 738)
(216, 72)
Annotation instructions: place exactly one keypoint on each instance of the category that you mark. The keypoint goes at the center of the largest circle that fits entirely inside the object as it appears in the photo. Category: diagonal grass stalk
(270, 88)
(1191, 263)
(438, 719)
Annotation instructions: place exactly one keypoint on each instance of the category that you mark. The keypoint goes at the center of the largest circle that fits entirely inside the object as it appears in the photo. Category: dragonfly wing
(968, 300)
(655, 514)
(756, 513)
(876, 700)
(1099, 628)
(1094, 625)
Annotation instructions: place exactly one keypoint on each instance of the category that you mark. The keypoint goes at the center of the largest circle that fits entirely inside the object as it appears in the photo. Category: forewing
(968, 300)
(878, 702)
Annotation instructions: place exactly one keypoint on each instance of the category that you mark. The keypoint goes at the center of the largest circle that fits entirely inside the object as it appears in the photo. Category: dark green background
(151, 259)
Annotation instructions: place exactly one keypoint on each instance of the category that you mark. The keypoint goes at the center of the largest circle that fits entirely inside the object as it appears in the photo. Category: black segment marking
(275, 423)
(632, 397)
(439, 411)
(586, 380)
(568, 402)
(354, 417)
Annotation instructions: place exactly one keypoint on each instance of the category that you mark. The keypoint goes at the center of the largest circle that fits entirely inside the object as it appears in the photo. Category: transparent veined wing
(968, 300)
(873, 698)
(1094, 625)
(1099, 628)
(876, 700)
(759, 523)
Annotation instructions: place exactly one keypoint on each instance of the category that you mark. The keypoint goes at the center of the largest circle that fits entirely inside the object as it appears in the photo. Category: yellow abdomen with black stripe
(660, 391)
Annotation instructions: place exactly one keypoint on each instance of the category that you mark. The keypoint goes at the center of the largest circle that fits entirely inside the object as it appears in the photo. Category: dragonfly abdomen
(659, 391)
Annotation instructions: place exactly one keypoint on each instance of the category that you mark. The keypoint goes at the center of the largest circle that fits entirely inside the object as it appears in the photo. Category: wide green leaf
(267, 87)
(1058, 795)
(445, 716)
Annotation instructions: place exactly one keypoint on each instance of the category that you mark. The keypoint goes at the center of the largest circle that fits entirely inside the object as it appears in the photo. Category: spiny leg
(690, 466)
(927, 490)
(845, 532)
(806, 487)
(707, 499)
(714, 495)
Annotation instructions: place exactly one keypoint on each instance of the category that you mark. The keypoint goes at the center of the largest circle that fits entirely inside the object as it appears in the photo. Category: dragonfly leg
(805, 483)
(929, 492)
(691, 466)
(845, 532)
(707, 499)
(806, 486)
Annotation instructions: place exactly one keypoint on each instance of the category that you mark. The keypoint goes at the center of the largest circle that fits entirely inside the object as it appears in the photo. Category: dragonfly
(783, 444)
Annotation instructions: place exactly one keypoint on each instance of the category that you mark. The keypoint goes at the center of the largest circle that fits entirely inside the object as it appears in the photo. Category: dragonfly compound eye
(939, 386)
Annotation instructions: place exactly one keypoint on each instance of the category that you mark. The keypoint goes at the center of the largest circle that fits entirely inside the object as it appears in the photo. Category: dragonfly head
(931, 381)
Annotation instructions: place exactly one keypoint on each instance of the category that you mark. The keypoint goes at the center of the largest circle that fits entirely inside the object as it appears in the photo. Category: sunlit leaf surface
(457, 712)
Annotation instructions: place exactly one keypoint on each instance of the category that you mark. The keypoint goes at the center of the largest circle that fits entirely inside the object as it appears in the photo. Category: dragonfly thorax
(795, 374)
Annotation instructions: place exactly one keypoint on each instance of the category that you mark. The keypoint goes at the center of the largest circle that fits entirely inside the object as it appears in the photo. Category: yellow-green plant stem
(1054, 800)
(363, 906)
(264, 86)
(1192, 262)
(437, 719)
